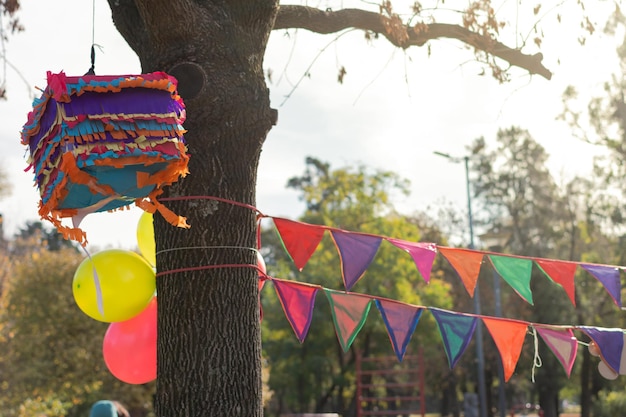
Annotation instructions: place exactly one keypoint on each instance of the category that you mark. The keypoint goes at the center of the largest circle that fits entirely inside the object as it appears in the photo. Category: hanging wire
(92, 69)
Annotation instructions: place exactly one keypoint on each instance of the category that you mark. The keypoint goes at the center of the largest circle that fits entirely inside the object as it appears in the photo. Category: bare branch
(320, 21)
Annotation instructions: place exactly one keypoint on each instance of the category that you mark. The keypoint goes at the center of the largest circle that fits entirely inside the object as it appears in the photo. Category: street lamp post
(494, 242)
(482, 395)
(498, 312)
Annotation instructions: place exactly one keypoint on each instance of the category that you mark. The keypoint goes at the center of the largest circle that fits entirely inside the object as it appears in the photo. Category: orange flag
(509, 337)
(466, 263)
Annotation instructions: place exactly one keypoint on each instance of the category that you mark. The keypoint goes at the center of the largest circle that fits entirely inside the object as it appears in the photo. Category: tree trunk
(209, 349)
(549, 401)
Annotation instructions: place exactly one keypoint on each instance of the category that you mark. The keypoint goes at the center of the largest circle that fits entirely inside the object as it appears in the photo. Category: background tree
(215, 50)
(318, 376)
(599, 199)
(602, 122)
(520, 198)
(35, 237)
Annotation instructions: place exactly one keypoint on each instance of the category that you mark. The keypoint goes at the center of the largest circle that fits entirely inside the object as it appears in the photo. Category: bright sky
(392, 112)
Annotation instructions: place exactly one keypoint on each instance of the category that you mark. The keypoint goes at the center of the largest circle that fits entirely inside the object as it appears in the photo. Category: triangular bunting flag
(356, 252)
(297, 301)
(609, 277)
(516, 272)
(509, 337)
(400, 320)
(423, 255)
(466, 263)
(456, 332)
(299, 239)
(562, 343)
(349, 314)
(610, 342)
(562, 273)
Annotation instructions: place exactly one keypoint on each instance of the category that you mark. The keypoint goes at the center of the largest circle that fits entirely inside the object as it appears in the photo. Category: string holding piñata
(100, 143)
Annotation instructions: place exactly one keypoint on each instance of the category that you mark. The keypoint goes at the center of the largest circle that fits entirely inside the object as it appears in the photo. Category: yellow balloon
(127, 284)
(145, 237)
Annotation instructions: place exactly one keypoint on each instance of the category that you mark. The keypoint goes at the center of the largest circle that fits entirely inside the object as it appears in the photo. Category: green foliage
(610, 404)
(317, 375)
(44, 407)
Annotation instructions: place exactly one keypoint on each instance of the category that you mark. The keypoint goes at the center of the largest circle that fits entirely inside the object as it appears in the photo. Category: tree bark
(209, 349)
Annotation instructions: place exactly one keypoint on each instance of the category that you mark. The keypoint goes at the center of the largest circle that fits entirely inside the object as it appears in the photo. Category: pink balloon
(129, 347)
(261, 263)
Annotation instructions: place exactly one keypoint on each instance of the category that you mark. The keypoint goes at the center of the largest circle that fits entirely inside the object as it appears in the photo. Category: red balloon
(129, 347)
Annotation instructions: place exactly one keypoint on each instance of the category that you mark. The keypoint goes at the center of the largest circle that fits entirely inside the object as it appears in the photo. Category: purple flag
(609, 341)
(356, 252)
(609, 277)
(400, 320)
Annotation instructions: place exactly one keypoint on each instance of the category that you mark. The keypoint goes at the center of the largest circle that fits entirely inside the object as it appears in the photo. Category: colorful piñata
(100, 143)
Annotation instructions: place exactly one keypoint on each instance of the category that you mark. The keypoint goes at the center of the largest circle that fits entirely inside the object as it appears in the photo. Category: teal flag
(456, 332)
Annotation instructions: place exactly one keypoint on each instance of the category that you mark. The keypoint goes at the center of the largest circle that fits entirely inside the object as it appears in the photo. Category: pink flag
(562, 343)
(423, 255)
(297, 300)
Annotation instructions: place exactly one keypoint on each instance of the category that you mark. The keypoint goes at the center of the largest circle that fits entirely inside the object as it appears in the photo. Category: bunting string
(350, 310)
(206, 247)
(205, 267)
(208, 197)
(357, 250)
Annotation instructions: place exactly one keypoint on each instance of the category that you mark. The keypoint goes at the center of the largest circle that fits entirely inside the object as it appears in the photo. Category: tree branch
(402, 36)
